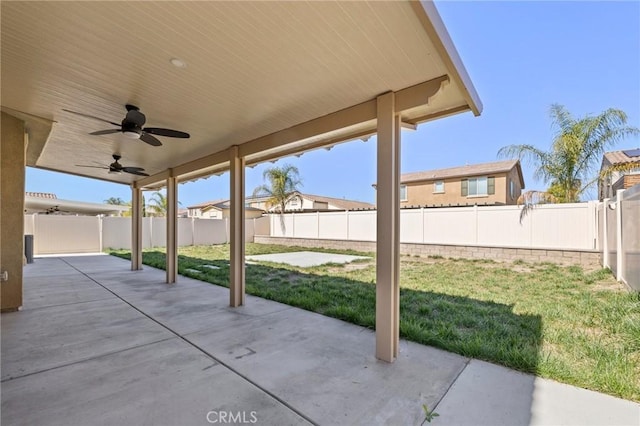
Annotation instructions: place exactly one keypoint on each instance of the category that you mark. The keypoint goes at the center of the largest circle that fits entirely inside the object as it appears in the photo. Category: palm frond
(530, 199)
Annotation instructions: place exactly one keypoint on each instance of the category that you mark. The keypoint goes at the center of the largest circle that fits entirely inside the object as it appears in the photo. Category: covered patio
(248, 81)
(99, 345)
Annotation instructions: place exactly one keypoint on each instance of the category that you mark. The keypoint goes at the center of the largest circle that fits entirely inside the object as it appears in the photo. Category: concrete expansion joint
(79, 361)
(199, 348)
(455, 379)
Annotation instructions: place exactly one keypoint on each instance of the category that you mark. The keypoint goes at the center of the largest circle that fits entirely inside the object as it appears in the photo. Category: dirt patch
(608, 286)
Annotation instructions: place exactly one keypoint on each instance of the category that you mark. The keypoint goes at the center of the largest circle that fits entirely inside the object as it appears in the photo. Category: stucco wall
(421, 193)
(12, 172)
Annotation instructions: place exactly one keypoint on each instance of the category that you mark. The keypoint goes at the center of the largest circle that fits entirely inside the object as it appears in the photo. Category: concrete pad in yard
(488, 394)
(306, 259)
(164, 383)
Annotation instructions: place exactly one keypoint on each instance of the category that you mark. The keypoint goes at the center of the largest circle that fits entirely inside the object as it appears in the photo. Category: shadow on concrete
(474, 328)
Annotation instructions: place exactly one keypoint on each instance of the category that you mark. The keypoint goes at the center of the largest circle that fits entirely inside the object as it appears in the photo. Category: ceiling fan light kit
(132, 128)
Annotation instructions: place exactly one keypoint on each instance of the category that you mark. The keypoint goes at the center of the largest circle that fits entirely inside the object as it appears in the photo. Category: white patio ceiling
(256, 71)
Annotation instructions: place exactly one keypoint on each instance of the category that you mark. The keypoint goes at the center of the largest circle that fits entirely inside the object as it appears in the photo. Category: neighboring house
(219, 209)
(48, 203)
(496, 183)
(300, 202)
(608, 186)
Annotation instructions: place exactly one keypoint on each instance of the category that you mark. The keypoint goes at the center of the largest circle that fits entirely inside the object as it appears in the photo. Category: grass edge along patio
(557, 322)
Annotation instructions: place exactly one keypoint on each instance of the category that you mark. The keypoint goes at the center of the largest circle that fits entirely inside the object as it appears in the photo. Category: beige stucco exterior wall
(12, 178)
(422, 193)
(513, 176)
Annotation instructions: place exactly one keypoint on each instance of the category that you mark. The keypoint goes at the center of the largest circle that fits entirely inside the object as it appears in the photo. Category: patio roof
(273, 78)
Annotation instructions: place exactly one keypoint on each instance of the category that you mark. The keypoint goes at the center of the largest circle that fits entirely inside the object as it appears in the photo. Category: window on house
(512, 189)
(478, 186)
(403, 192)
(438, 186)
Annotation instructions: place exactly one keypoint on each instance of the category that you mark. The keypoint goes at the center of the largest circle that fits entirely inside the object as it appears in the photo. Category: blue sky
(521, 56)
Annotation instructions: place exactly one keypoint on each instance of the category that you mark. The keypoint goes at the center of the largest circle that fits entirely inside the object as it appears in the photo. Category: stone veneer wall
(585, 258)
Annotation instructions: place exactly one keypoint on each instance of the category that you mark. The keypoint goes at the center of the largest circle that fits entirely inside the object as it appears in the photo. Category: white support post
(619, 253)
(237, 229)
(605, 234)
(172, 230)
(388, 235)
(136, 228)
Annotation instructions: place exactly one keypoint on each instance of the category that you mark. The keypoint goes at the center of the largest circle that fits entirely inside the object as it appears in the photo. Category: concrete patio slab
(148, 353)
(306, 259)
(321, 362)
(164, 383)
(492, 395)
(41, 339)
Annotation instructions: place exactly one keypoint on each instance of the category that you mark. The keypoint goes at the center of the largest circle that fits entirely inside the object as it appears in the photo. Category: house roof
(221, 204)
(238, 88)
(464, 171)
(207, 203)
(340, 203)
(619, 157)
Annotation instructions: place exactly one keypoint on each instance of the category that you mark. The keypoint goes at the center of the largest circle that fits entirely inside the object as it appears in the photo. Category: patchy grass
(557, 322)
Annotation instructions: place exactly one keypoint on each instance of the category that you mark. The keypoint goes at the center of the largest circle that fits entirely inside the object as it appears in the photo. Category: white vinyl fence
(559, 226)
(59, 234)
(620, 222)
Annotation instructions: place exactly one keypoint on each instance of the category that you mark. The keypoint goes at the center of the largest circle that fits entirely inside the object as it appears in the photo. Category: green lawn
(557, 322)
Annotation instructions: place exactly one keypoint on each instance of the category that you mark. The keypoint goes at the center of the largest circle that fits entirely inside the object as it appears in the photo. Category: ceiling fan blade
(93, 167)
(105, 132)
(132, 169)
(146, 137)
(91, 116)
(166, 132)
(133, 172)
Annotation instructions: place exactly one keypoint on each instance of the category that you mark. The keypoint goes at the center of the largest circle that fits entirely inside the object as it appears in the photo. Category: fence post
(619, 254)
(605, 234)
(475, 213)
(318, 224)
(100, 233)
(422, 227)
(593, 217)
(346, 215)
(293, 225)
(193, 231)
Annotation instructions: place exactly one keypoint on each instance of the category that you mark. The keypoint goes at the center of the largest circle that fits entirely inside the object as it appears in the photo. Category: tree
(158, 204)
(115, 201)
(283, 183)
(570, 166)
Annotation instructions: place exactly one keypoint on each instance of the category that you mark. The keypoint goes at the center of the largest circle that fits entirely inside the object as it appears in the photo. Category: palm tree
(283, 183)
(115, 201)
(570, 166)
(158, 204)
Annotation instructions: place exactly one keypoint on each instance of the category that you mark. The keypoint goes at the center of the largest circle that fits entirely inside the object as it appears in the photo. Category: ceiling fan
(131, 127)
(116, 167)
